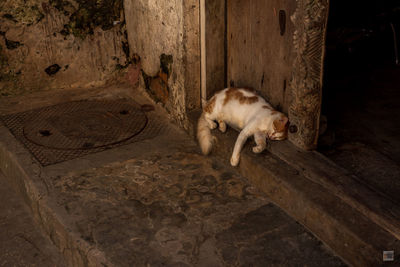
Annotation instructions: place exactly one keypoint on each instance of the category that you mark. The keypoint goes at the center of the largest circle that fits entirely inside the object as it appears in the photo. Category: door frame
(309, 39)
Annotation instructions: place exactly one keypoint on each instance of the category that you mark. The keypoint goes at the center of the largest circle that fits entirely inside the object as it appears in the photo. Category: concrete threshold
(356, 222)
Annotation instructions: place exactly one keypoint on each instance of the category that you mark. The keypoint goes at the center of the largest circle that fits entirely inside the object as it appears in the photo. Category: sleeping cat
(245, 111)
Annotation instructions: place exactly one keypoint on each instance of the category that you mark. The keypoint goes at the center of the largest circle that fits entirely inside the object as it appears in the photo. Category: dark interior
(360, 122)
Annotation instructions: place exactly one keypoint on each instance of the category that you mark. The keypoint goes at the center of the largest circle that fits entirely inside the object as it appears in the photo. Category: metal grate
(70, 130)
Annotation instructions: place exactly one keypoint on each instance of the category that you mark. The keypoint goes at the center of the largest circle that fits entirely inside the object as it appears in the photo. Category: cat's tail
(204, 135)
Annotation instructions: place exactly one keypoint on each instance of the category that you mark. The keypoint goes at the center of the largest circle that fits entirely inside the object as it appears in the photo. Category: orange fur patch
(235, 94)
(210, 105)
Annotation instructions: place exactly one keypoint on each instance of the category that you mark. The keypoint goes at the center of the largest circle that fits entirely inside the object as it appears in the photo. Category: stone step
(350, 188)
(350, 218)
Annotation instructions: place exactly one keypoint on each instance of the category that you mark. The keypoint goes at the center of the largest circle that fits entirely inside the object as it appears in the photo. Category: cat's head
(280, 124)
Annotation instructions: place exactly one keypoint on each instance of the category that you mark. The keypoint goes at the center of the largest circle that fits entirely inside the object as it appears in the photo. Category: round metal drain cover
(85, 124)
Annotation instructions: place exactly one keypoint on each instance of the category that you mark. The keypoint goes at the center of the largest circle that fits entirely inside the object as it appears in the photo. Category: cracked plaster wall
(75, 43)
(167, 28)
(59, 44)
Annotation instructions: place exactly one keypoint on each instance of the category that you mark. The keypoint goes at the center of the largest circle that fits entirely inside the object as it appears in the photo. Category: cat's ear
(280, 123)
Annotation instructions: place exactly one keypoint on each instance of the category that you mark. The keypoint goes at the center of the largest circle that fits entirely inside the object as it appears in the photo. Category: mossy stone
(166, 63)
(88, 15)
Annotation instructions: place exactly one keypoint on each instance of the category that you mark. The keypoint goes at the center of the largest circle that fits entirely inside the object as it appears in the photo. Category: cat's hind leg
(261, 142)
(222, 126)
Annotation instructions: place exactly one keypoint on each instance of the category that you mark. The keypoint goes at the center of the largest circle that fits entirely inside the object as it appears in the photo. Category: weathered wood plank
(215, 46)
(258, 55)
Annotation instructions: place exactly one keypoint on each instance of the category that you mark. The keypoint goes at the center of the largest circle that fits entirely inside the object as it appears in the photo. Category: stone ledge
(22, 243)
(343, 184)
(333, 205)
(24, 175)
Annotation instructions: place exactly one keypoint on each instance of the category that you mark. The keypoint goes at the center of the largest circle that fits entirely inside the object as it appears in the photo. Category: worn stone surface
(157, 28)
(260, 237)
(21, 242)
(182, 209)
(60, 44)
(158, 201)
(158, 209)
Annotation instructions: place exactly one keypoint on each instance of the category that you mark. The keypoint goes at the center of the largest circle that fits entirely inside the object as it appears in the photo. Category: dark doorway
(360, 126)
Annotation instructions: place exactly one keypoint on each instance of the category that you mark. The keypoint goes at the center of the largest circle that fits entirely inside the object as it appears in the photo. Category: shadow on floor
(361, 103)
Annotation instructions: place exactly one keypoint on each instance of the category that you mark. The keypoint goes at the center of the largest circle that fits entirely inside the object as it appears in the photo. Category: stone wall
(60, 43)
(164, 38)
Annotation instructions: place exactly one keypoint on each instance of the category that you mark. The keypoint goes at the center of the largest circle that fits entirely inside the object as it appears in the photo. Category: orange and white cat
(245, 111)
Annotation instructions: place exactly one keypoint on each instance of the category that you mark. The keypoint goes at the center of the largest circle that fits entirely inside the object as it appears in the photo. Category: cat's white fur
(245, 111)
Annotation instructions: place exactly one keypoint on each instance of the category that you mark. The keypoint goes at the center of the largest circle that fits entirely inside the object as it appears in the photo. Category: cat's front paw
(234, 161)
(222, 126)
(258, 149)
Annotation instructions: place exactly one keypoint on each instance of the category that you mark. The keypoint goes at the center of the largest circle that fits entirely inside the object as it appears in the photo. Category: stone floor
(181, 209)
(158, 202)
(21, 242)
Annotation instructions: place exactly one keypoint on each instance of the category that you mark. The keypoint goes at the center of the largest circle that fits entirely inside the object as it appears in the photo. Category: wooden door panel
(258, 55)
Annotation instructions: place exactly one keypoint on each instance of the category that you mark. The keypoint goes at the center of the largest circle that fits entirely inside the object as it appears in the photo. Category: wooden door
(277, 48)
(259, 38)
